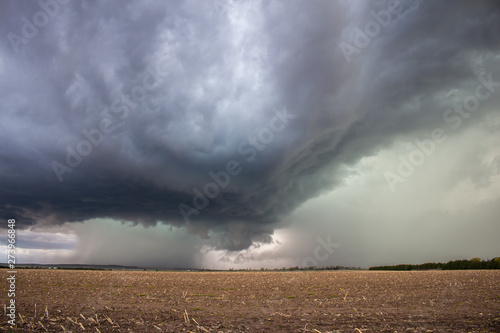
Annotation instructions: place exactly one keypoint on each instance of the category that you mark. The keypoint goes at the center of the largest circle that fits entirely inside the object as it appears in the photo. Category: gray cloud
(225, 72)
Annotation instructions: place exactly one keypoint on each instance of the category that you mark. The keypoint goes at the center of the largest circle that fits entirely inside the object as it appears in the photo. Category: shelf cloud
(225, 117)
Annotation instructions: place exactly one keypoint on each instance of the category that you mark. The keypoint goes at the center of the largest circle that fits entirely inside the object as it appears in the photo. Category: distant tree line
(310, 268)
(294, 268)
(474, 263)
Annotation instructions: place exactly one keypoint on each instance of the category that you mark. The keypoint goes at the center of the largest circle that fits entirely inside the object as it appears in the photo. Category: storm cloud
(225, 117)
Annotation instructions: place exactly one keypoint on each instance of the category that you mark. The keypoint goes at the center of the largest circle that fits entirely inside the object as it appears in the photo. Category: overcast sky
(239, 133)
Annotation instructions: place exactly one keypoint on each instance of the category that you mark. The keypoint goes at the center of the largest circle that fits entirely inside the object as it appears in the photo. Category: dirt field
(341, 301)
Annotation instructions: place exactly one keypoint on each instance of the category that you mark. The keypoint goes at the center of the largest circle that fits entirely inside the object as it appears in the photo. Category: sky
(247, 134)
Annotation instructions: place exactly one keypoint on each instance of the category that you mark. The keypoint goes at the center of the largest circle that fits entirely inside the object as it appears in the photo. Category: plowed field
(337, 301)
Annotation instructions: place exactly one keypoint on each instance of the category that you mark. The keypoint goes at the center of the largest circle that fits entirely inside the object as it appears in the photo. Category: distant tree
(474, 263)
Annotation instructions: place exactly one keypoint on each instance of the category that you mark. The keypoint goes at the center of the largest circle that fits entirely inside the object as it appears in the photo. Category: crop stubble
(310, 301)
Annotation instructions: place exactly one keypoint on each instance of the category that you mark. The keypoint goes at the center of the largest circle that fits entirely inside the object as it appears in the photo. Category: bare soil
(335, 301)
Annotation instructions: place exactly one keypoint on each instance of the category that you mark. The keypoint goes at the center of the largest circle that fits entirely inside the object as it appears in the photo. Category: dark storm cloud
(177, 88)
